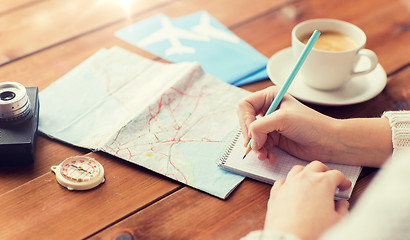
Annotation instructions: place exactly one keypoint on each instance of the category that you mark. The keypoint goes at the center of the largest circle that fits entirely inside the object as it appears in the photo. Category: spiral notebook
(266, 172)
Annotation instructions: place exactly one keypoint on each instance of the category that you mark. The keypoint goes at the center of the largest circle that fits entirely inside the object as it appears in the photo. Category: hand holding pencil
(278, 98)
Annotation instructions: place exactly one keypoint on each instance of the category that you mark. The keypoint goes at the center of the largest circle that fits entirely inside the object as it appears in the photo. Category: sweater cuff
(400, 126)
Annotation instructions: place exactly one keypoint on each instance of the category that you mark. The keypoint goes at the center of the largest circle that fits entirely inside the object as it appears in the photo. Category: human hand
(310, 135)
(303, 203)
(297, 129)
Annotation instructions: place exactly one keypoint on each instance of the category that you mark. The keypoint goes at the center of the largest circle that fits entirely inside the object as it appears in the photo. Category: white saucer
(359, 89)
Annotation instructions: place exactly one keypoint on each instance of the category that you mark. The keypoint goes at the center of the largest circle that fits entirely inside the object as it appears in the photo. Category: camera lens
(6, 96)
(14, 103)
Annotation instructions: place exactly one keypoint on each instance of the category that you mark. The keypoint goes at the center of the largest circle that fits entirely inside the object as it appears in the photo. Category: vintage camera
(19, 108)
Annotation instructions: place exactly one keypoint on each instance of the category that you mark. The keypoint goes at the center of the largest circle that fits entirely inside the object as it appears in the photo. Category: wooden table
(42, 40)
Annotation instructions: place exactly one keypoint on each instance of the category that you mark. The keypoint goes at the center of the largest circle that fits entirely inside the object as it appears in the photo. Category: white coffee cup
(328, 70)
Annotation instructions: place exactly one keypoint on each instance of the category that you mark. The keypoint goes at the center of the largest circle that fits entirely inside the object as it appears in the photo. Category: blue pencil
(285, 87)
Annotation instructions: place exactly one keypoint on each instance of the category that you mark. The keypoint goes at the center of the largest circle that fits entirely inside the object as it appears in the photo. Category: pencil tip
(248, 149)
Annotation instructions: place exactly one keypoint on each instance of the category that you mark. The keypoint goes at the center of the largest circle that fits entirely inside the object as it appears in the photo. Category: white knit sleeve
(400, 126)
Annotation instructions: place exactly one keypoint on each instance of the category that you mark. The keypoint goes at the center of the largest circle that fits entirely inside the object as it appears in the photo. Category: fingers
(314, 166)
(262, 154)
(339, 179)
(274, 190)
(342, 207)
(258, 140)
(246, 115)
(248, 108)
(336, 177)
(258, 129)
(295, 170)
(251, 106)
(278, 183)
(271, 157)
(265, 152)
(245, 119)
(276, 186)
(317, 166)
(257, 102)
(261, 127)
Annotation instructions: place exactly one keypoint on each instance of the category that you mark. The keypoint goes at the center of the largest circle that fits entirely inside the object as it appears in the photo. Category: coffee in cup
(332, 41)
(333, 59)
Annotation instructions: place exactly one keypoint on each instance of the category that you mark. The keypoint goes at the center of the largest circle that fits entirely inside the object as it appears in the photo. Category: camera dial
(14, 103)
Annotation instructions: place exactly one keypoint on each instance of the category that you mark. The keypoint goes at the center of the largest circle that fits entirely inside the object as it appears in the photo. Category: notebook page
(266, 172)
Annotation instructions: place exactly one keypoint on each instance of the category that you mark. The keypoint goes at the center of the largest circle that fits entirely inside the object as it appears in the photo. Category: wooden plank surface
(42, 40)
(12, 177)
(243, 212)
(74, 18)
(42, 209)
(189, 214)
(9, 6)
(28, 29)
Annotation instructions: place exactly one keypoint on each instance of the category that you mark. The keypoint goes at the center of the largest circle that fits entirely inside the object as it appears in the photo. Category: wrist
(361, 141)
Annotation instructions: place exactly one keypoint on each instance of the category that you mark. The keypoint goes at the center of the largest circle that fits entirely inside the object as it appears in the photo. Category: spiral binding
(229, 149)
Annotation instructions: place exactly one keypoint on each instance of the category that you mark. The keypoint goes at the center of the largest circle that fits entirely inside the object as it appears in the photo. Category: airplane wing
(169, 31)
(179, 50)
(182, 33)
(207, 29)
(154, 37)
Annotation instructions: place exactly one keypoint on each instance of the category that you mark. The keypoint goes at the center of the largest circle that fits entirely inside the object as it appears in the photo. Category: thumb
(342, 207)
(261, 127)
